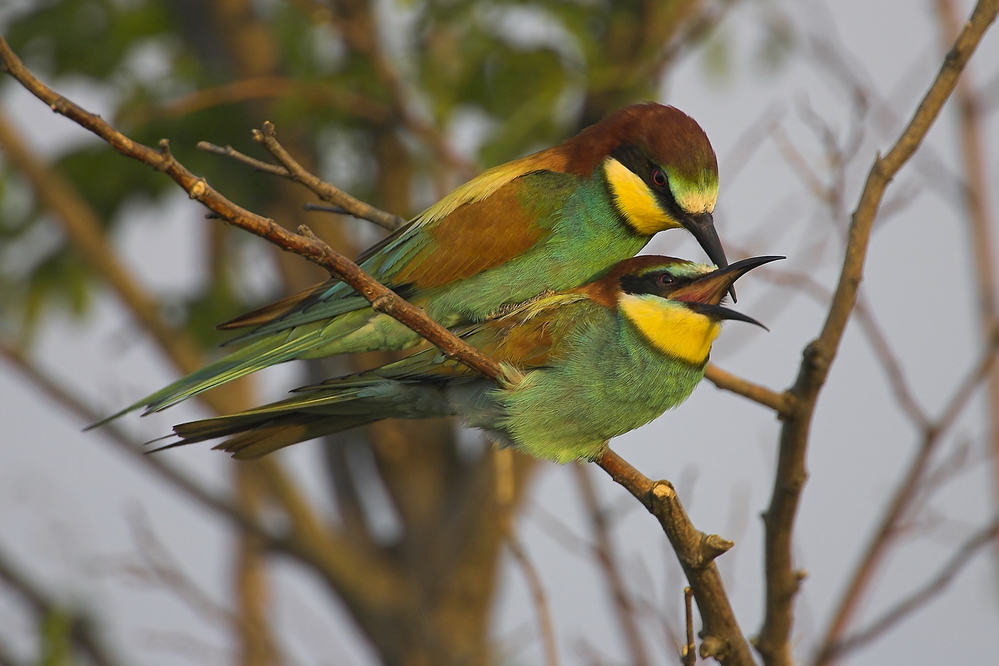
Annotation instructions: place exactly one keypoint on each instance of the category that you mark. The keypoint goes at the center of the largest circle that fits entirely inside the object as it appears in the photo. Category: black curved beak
(705, 293)
(702, 228)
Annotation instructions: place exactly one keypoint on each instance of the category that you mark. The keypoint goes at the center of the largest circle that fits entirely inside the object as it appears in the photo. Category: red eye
(664, 279)
(658, 178)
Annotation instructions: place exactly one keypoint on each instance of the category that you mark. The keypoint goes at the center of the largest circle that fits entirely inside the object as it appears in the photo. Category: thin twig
(252, 162)
(607, 558)
(688, 654)
(782, 403)
(980, 217)
(901, 502)
(537, 588)
(81, 628)
(156, 566)
(782, 580)
(344, 204)
(922, 595)
(267, 137)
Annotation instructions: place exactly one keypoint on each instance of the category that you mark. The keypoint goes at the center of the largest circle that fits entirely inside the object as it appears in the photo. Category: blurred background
(111, 281)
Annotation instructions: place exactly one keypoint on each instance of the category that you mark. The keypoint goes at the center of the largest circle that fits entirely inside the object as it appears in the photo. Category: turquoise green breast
(609, 382)
(587, 237)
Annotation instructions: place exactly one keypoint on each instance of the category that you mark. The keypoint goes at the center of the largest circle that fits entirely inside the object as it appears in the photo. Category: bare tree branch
(901, 503)
(923, 595)
(81, 627)
(260, 87)
(84, 228)
(607, 559)
(980, 217)
(343, 202)
(782, 580)
(688, 654)
(334, 559)
(537, 588)
(782, 403)
(325, 191)
(721, 636)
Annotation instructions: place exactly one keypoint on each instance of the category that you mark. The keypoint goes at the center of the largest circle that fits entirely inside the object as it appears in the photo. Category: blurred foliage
(521, 73)
(57, 639)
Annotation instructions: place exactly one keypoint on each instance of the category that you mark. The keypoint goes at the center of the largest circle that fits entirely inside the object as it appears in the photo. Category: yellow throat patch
(671, 327)
(636, 200)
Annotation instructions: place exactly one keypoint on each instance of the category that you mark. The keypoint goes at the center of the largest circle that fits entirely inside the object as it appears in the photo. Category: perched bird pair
(543, 224)
(584, 365)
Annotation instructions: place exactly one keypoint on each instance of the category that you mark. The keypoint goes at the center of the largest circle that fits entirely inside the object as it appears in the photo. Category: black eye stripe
(654, 282)
(636, 162)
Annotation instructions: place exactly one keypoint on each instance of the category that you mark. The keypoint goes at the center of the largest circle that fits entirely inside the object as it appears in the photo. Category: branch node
(712, 546)
(198, 190)
(790, 403)
(269, 129)
(382, 303)
(304, 230)
(815, 356)
(663, 491)
(714, 647)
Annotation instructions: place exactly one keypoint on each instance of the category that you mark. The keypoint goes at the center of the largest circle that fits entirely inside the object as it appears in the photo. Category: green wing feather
(525, 338)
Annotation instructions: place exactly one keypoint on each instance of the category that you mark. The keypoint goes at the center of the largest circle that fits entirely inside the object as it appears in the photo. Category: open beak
(705, 293)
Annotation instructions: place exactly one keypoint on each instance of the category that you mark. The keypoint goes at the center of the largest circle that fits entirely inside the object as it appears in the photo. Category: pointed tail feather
(260, 431)
(251, 437)
(257, 356)
(278, 309)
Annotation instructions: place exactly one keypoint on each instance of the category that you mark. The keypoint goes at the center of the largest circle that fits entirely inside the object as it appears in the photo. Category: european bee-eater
(547, 222)
(585, 365)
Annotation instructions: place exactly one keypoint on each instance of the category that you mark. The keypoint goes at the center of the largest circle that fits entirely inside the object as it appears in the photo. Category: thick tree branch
(782, 580)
